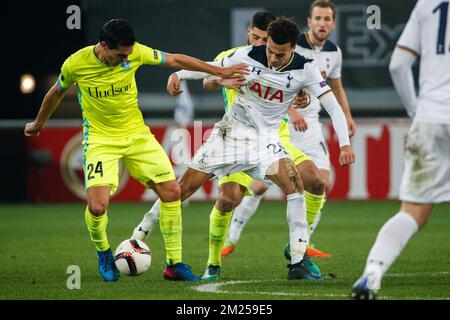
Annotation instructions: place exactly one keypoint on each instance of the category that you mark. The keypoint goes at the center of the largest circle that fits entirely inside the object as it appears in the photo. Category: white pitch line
(216, 288)
(432, 274)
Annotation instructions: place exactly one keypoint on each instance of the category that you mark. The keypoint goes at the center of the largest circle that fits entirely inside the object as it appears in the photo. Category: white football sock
(242, 214)
(298, 226)
(151, 218)
(391, 240)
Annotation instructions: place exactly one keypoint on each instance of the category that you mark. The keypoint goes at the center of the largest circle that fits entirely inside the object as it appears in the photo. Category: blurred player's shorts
(426, 177)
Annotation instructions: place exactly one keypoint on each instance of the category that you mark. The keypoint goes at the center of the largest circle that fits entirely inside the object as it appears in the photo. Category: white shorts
(426, 176)
(234, 147)
(312, 142)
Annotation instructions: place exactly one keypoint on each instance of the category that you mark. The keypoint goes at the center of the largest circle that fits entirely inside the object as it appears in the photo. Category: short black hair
(261, 20)
(323, 4)
(117, 32)
(284, 30)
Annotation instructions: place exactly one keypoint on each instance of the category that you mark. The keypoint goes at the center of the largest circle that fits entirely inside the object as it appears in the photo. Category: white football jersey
(266, 98)
(329, 61)
(427, 33)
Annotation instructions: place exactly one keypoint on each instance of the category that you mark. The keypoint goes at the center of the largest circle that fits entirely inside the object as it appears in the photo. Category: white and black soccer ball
(132, 257)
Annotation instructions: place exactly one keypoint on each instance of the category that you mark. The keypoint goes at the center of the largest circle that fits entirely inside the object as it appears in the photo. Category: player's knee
(228, 201)
(98, 208)
(317, 185)
(226, 204)
(171, 193)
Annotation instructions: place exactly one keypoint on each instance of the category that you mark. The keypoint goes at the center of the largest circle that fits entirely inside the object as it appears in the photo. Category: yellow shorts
(297, 156)
(240, 178)
(141, 154)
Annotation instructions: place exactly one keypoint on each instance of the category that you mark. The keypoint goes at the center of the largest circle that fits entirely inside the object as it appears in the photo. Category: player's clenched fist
(347, 156)
(31, 129)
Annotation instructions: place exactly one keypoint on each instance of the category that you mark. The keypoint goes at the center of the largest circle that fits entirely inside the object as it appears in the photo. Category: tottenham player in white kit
(247, 140)
(426, 176)
(304, 127)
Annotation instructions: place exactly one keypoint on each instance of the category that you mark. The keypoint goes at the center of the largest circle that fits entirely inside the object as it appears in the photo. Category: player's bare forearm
(51, 101)
(212, 83)
(49, 104)
(215, 83)
(292, 112)
(181, 61)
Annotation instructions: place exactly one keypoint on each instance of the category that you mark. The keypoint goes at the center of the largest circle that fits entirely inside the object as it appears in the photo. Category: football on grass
(132, 257)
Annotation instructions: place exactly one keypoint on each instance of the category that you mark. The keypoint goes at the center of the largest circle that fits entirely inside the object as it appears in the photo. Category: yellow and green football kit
(113, 126)
(114, 129)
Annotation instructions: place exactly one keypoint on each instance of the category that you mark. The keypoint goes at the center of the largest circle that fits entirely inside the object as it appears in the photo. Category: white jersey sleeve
(410, 38)
(335, 73)
(235, 57)
(196, 75)
(337, 117)
(314, 80)
(400, 68)
(427, 34)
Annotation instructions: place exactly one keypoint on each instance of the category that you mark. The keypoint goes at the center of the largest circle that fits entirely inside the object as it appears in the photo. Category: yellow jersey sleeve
(66, 78)
(226, 53)
(229, 95)
(150, 56)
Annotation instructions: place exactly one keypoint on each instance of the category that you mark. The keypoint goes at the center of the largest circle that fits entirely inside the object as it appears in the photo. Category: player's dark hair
(117, 32)
(283, 30)
(261, 20)
(323, 4)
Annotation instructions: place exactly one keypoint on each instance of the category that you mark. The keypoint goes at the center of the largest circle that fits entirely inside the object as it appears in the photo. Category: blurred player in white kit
(426, 176)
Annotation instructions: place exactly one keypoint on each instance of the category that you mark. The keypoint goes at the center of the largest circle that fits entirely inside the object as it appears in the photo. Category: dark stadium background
(38, 41)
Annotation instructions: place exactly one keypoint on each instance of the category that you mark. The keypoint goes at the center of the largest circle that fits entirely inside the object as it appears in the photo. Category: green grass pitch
(39, 242)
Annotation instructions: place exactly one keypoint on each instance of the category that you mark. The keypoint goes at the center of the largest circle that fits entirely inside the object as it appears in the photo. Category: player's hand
(351, 127)
(32, 129)
(173, 85)
(234, 71)
(298, 121)
(347, 156)
(234, 84)
(302, 100)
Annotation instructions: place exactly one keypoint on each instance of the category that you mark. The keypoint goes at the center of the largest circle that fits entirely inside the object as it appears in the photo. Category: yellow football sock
(171, 228)
(97, 229)
(314, 204)
(219, 223)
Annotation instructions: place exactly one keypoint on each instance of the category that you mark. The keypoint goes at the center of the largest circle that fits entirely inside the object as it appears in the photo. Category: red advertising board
(378, 145)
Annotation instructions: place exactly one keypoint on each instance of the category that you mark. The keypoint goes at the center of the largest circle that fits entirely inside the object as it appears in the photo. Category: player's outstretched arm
(339, 93)
(51, 101)
(173, 83)
(215, 83)
(181, 61)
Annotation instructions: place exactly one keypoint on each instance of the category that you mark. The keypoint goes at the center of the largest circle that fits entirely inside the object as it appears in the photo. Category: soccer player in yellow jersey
(114, 129)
